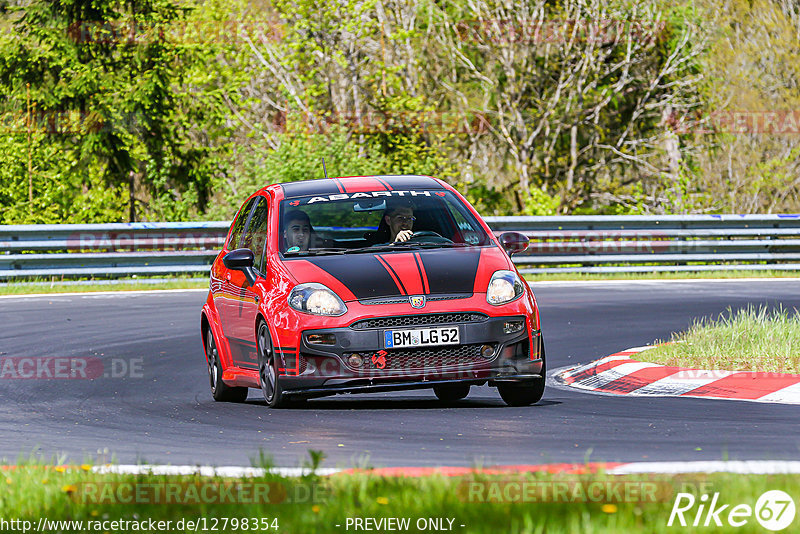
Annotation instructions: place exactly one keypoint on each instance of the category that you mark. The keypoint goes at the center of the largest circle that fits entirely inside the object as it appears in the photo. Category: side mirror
(241, 259)
(513, 242)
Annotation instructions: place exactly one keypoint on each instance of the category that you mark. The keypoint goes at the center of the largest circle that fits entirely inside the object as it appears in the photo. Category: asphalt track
(163, 411)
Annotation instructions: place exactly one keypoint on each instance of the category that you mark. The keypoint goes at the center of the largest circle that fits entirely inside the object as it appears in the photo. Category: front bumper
(319, 370)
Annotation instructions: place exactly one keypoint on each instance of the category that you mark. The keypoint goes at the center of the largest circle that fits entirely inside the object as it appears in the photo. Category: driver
(399, 218)
(298, 231)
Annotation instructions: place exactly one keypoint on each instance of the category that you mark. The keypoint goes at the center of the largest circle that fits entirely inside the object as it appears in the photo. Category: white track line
(208, 471)
(749, 467)
(90, 294)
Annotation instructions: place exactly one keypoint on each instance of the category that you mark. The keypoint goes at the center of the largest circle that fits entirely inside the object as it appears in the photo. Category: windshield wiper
(404, 245)
(374, 248)
(316, 251)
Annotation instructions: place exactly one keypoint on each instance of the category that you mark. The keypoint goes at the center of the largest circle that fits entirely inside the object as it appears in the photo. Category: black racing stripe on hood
(452, 272)
(363, 274)
(448, 271)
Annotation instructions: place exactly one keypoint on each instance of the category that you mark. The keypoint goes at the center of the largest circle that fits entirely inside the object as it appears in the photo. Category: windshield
(349, 223)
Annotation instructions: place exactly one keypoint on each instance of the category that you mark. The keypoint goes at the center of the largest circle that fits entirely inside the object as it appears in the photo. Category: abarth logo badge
(379, 359)
(417, 301)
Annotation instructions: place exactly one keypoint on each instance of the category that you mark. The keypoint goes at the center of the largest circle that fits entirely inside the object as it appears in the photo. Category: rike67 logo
(774, 510)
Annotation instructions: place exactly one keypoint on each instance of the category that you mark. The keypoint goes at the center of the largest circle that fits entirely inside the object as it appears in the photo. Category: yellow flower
(609, 508)
(315, 508)
(383, 500)
(45, 481)
(95, 513)
(86, 467)
(8, 480)
(60, 469)
(69, 488)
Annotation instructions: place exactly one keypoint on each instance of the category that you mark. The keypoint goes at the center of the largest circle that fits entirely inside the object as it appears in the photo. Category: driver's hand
(403, 235)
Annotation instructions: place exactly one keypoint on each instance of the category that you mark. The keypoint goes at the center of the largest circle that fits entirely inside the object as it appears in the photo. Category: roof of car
(356, 184)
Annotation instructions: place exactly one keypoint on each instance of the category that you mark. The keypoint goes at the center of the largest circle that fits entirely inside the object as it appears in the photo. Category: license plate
(421, 337)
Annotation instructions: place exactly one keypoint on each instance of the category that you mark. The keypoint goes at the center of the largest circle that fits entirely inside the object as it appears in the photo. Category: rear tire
(527, 392)
(268, 375)
(221, 391)
(451, 393)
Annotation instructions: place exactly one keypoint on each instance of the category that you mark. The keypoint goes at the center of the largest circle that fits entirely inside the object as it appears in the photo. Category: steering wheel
(426, 236)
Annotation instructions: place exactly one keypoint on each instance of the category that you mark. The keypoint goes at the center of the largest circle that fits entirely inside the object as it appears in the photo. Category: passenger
(298, 231)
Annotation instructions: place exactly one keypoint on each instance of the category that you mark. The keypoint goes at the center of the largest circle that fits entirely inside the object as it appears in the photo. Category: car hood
(403, 273)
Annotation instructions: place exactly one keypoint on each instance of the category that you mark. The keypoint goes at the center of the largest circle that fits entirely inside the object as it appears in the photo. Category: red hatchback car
(367, 284)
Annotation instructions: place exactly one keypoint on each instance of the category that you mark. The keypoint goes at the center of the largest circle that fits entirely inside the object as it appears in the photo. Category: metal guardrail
(558, 244)
(108, 250)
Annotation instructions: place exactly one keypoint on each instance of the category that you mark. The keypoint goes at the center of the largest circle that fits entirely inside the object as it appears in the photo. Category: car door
(242, 306)
(224, 289)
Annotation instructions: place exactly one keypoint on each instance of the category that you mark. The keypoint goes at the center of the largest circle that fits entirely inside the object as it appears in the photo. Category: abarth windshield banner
(371, 194)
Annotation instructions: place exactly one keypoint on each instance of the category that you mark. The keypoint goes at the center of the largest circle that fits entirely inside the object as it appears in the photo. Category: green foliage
(175, 110)
(136, 110)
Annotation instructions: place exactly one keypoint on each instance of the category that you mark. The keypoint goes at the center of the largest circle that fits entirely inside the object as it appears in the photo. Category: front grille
(405, 300)
(428, 358)
(418, 320)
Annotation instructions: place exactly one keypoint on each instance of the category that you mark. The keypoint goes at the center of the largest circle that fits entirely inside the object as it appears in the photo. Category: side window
(238, 225)
(465, 232)
(255, 237)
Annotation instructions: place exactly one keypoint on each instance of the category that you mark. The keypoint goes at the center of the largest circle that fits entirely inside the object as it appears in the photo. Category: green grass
(556, 503)
(704, 275)
(127, 284)
(751, 339)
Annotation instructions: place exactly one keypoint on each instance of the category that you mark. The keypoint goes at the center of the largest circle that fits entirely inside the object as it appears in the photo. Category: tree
(125, 80)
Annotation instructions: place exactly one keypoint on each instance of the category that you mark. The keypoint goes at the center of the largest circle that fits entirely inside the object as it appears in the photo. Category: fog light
(512, 327)
(321, 339)
(487, 351)
(355, 360)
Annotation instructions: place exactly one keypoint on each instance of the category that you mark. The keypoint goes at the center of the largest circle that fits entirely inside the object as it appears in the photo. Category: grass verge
(84, 286)
(537, 502)
(43, 286)
(749, 339)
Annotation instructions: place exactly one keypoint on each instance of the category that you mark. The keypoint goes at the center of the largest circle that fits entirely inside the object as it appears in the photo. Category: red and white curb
(621, 375)
(753, 467)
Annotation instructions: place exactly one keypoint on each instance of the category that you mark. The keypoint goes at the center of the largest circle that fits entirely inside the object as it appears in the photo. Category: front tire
(221, 391)
(268, 375)
(524, 393)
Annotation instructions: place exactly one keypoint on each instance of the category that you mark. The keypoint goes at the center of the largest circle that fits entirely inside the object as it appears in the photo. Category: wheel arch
(205, 325)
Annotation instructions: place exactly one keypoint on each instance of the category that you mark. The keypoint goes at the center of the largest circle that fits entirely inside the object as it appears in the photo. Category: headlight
(317, 299)
(504, 287)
